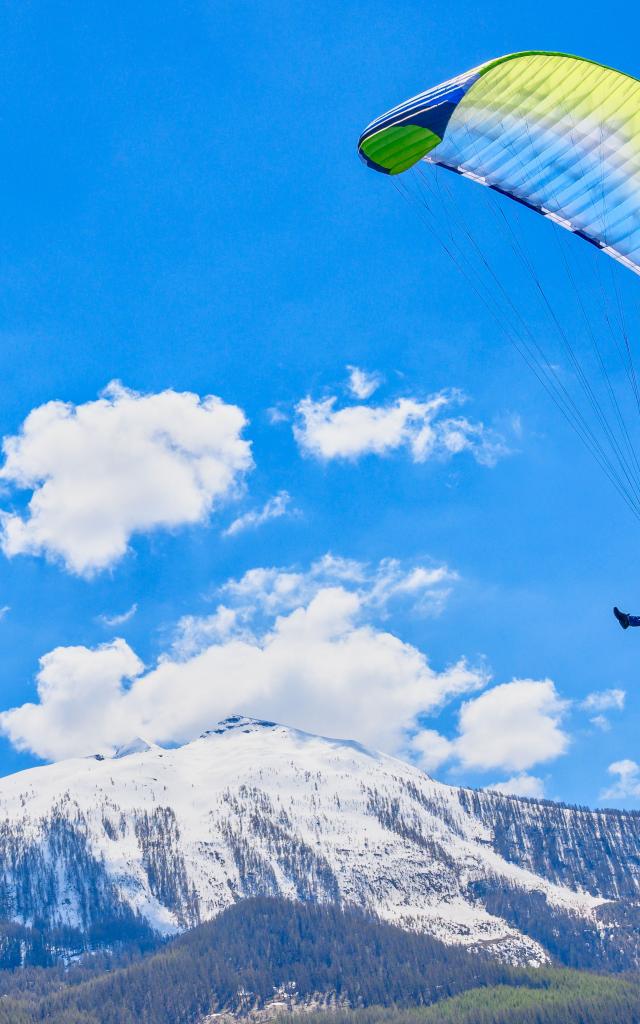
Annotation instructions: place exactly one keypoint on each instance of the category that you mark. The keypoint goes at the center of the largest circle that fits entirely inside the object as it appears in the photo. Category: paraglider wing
(558, 133)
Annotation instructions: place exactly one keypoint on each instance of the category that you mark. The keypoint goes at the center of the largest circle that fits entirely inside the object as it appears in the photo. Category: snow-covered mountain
(174, 836)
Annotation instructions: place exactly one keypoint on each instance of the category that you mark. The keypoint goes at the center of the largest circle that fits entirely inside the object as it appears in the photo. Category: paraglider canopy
(559, 133)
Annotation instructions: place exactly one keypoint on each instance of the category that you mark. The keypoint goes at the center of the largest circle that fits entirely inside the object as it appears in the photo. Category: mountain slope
(171, 837)
(262, 957)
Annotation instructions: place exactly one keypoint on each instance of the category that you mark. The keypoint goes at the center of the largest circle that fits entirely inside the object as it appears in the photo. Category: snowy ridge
(258, 808)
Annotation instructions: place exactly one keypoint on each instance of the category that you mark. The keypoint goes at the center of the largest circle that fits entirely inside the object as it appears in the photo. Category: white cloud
(363, 384)
(604, 700)
(324, 432)
(276, 414)
(318, 662)
(601, 722)
(124, 464)
(303, 647)
(512, 726)
(81, 702)
(275, 590)
(428, 587)
(627, 784)
(194, 633)
(119, 620)
(274, 508)
(4, 610)
(431, 749)
(272, 589)
(520, 785)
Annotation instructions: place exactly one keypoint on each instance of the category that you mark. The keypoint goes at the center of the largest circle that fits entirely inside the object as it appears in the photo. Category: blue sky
(184, 211)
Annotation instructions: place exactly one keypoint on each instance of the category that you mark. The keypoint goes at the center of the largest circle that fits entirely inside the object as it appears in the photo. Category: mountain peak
(239, 723)
(135, 746)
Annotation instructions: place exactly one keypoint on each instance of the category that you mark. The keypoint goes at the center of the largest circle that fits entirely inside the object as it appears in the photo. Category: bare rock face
(171, 837)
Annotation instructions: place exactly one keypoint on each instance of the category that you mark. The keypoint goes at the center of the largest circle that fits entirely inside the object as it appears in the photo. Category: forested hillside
(545, 997)
(238, 960)
(302, 953)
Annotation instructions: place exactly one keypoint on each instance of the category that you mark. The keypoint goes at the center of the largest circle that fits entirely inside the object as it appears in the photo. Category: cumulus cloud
(80, 691)
(274, 508)
(512, 726)
(306, 647)
(120, 618)
(431, 749)
(627, 781)
(362, 384)
(326, 432)
(317, 661)
(520, 785)
(124, 464)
